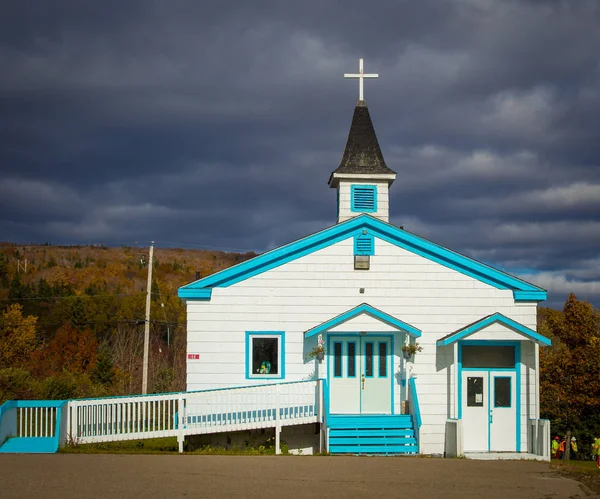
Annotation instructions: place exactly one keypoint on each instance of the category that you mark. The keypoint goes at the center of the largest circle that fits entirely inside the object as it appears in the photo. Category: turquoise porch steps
(372, 434)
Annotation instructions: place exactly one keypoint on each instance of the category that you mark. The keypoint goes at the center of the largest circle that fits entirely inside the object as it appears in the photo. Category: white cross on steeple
(360, 77)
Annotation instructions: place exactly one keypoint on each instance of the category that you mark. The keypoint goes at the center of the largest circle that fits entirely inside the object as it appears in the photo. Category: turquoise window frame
(387, 354)
(281, 353)
(374, 360)
(353, 207)
(348, 375)
(341, 345)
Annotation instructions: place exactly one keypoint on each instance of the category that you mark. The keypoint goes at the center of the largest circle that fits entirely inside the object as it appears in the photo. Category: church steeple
(363, 178)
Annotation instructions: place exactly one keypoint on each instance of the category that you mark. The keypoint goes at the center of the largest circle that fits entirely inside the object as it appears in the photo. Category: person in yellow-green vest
(555, 446)
(596, 451)
(573, 448)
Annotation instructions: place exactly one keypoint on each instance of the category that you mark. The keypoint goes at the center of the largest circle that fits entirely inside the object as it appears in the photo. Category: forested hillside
(72, 318)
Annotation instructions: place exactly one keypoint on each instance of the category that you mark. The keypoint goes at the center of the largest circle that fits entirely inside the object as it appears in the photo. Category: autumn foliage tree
(569, 370)
(17, 337)
(71, 350)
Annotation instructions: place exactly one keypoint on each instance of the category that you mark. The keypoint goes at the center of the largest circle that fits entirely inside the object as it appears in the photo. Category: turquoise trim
(537, 295)
(354, 227)
(491, 319)
(489, 402)
(415, 397)
(364, 308)
(518, 388)
(249, 336)
(195, 294)
(365, 200)
(364, 245)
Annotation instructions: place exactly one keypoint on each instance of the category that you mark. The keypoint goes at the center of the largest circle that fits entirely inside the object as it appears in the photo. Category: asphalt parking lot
(154, 476)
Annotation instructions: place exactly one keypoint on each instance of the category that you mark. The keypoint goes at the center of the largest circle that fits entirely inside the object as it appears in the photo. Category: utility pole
(147, 321)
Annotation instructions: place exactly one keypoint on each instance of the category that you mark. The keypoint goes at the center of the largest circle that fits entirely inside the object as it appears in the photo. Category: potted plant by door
(318, 350)
(410, 349)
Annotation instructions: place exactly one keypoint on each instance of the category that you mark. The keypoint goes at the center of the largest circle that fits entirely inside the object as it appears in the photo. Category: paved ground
(156, 476)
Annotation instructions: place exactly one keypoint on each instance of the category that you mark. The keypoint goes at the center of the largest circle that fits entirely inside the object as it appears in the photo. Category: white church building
(415, 348)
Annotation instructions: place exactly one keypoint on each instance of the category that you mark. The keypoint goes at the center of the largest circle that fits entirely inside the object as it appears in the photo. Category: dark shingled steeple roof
(362, 154)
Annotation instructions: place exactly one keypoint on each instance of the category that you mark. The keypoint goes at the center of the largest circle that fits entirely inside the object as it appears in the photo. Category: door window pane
(369, 359)
(265, 356)
(502, 392)
(482, 356)
(474, 392)
(383, 359)
(337, 359)
(351, 359)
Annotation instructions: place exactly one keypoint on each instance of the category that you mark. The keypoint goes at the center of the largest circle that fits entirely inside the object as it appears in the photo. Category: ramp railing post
(277, 422)
(182, 418)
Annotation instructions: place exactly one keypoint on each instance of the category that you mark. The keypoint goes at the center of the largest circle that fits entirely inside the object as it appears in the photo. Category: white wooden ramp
(138, 417)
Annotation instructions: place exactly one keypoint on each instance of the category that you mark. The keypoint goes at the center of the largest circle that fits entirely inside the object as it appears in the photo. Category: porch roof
(364, 308)
(487, 321)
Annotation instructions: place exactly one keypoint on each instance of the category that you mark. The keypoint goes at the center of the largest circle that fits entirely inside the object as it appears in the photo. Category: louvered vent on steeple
(364, 198)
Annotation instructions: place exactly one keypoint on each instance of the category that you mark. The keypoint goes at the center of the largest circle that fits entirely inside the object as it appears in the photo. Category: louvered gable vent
(364, 245)
(364, 198)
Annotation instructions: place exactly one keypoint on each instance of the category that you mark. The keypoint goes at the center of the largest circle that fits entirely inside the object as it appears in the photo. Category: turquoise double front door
(360, 374)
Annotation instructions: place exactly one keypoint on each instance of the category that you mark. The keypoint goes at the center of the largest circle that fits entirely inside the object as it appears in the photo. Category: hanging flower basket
(318, 351)
(409, 350)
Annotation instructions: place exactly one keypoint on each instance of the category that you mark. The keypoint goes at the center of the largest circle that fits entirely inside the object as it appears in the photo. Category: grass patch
(585, 472)
(166, 445)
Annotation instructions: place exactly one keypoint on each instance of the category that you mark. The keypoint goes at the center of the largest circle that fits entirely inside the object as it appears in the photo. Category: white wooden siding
(304, 293)
(364, 322)
(497, 331)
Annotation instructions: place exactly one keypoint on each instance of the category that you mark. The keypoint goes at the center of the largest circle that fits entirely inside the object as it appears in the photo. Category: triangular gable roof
(522, 290)
(489, 320)
(364, 308)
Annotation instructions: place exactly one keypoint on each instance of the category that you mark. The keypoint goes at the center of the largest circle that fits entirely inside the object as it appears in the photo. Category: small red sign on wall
(193, 356)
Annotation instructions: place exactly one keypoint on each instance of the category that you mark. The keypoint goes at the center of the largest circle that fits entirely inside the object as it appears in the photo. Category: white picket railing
(193, 413)
(122, 418)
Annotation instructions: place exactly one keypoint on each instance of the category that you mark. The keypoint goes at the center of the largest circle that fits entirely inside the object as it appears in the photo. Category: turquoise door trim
(516, 370)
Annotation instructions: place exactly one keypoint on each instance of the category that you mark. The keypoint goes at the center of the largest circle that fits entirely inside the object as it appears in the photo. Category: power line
(71, 297)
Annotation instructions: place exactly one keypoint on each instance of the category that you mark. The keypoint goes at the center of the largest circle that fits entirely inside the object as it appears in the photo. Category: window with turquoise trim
(363, 198)
(265, 354)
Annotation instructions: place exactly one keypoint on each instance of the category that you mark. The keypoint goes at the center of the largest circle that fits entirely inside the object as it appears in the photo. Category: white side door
(503, 415)
(475, 411)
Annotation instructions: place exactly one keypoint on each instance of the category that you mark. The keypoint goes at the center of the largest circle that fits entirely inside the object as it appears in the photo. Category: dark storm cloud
(218, 123)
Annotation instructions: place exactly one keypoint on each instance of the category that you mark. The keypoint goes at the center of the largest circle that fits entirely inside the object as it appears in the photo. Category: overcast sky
(217, 124)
